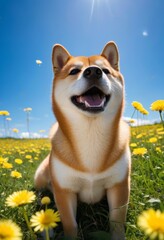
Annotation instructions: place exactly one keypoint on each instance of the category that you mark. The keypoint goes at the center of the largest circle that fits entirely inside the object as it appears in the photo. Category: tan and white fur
(90, 154)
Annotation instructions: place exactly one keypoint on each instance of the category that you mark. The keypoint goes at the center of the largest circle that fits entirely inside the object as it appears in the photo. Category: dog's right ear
(59, 57)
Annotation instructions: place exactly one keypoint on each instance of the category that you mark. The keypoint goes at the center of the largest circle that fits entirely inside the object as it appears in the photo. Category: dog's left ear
(110, 52)
(60, 56)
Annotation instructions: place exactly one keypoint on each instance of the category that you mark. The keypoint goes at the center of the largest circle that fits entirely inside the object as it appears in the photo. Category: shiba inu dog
(90, 154)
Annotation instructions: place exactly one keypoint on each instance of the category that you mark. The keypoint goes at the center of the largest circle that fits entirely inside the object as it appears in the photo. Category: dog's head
(88, 85)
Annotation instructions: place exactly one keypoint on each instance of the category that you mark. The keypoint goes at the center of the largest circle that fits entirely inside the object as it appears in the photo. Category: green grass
(146, 185)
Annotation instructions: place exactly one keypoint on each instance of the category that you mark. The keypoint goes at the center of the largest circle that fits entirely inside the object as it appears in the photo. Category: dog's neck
(89, 140)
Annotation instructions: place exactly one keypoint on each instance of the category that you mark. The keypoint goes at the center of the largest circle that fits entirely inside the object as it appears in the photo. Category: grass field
(147, 189)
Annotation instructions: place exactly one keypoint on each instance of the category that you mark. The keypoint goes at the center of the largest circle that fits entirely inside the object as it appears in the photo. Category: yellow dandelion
(158, 149)
(28, 156)
(152, 223)
(133, 145)
(161, 133)
(9, 230)
(3, 160)
(139, 151)
(153, 140)
(44, 220)
(15, 130)
(16, 174)
(157, 105)
(139, 135)
(18, 161)
(7, 165)
(45, 200)
(144, 111)
(20, 198)
(137, 105)
(4, 113)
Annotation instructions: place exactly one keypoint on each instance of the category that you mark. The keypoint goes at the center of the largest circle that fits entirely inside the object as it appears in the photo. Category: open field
(147, 189)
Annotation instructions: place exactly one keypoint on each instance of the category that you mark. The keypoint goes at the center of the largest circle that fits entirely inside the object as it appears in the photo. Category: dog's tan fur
(90, 153)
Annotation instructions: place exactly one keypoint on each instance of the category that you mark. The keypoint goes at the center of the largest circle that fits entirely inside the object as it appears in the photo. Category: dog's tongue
(91, 101)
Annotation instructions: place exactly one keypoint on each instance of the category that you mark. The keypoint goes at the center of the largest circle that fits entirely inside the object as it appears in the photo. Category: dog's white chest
(90, 187)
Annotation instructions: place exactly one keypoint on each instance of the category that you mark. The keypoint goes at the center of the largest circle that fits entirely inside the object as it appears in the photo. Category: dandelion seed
(39, 62)
(154, 200)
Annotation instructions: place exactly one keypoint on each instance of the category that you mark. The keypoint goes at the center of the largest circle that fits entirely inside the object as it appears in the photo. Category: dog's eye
(74, 71)
(106, 71)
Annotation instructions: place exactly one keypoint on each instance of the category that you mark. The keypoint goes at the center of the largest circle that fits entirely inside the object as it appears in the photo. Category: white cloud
(145, 33)
(140, 122)
(32, 135)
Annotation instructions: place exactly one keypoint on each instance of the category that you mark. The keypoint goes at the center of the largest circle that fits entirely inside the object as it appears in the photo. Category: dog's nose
(92, 73)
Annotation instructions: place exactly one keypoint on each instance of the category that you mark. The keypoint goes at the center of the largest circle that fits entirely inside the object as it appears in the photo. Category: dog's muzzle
(94, 99)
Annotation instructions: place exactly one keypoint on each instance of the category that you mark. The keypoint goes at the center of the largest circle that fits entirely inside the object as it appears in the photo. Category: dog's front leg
(118, 198)
(67, 206)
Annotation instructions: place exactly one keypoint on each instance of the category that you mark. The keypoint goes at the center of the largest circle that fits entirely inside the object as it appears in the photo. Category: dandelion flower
(9, 230)
(28, 156)
(4, 113)
(133, 145)
(152, 223)
(153, 140)
(16, 174)
(139, 151)
(7, 165)
(157, 105)
(20, 198)
(137, 105)
(15, 130)
(45, 201)
(139, 135)
(158, 149)
(44, 220)
(18, 161)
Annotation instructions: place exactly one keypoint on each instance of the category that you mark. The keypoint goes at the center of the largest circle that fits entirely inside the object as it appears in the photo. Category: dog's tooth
(100, 105)
(87, 104)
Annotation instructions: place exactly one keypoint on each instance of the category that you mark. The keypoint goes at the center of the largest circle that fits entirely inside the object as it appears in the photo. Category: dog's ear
(110, 52)
(59, 57)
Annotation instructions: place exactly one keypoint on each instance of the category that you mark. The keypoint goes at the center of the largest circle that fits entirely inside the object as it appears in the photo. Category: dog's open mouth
(93, 100)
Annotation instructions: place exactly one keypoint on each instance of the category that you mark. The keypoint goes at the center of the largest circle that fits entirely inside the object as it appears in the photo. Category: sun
(97, 3)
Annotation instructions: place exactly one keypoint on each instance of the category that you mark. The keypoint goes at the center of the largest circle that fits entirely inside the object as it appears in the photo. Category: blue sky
(29, 29)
